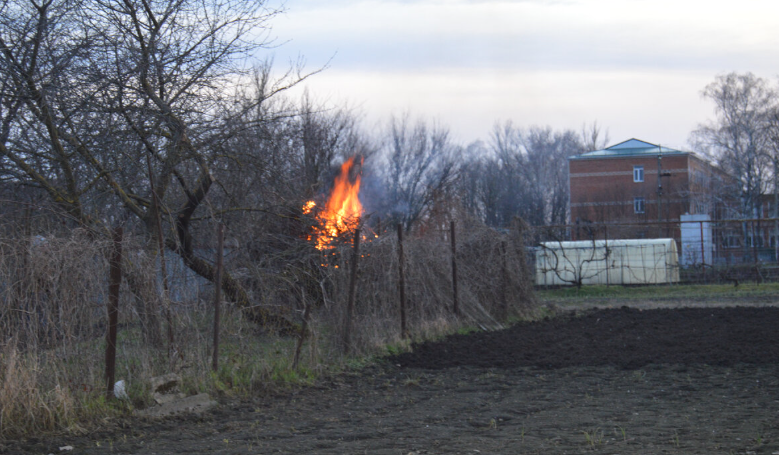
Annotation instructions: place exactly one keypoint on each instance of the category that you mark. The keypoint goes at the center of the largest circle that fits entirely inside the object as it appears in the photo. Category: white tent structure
(639, 261)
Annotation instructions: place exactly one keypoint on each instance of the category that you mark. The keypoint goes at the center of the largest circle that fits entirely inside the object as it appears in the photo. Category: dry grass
(481, 285)
(40, 393)
(52, 316)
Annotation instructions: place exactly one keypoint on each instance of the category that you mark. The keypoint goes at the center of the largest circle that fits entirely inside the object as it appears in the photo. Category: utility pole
(776, 209)
(660, 176)
(660, 187)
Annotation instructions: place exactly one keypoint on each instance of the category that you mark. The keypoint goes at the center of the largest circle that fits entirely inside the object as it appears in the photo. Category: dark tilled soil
(683, 381)
(623, 338)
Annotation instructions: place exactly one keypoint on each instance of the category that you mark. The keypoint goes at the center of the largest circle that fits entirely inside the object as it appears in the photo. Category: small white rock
(66, 448)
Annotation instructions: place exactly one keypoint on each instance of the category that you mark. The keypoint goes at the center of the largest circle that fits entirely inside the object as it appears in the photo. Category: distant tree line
(159, 116)
(139, 110)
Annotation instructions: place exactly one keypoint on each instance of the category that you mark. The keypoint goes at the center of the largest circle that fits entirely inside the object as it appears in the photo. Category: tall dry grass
(492, 272)
(53, 293)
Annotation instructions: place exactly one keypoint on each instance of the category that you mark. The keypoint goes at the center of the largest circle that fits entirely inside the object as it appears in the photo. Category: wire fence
(58, 294)
(53, 289)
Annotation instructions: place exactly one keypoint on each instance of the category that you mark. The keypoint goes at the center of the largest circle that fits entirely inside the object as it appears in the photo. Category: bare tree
(419, 163)
(573, 264)
(534, 172)
(326, 136)
(481, 185)
(593, 138)
(546, 169)
(737, 137)
(96, 94)
(773, 141)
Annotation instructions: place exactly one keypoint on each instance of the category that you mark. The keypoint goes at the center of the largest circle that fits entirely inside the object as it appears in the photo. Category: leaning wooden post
(114, 282)
(402, 283)
(455, 302)
(220, 237)
(352, 292)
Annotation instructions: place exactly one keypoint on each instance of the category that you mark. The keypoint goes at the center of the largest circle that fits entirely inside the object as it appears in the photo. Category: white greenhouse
(639, 261)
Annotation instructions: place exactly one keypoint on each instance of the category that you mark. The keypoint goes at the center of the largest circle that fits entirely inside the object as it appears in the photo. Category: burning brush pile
(343, 211)
(493, 276)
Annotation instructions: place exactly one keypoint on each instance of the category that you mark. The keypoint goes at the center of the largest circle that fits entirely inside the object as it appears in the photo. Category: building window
(700, 179)
(638, 174)
(638, 204)
(755, 241)
(731, 240)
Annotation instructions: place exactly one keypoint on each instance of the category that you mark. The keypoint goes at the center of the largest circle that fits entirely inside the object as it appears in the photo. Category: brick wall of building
(604, 189)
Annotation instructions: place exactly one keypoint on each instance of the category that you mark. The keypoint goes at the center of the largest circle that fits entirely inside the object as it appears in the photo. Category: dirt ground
(613, 381)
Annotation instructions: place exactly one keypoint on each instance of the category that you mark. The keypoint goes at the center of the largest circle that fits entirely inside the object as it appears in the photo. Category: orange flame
(308, 207)
(343, 209)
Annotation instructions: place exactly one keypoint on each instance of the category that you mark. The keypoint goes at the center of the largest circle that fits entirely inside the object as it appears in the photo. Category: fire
(343, 208)
(308, 207)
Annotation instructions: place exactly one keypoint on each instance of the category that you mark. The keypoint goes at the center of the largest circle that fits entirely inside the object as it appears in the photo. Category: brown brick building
(638, 182)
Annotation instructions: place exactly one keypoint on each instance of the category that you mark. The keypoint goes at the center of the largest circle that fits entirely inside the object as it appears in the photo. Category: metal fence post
(606, 256)
(220, 235)
(303, 328)
(703, 250)
(114, 283)
(352, 292)
(455, 302)
(402, 283)
(505, 281)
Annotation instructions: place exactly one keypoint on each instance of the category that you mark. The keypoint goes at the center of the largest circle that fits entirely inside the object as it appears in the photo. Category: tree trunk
(232, 288)
(233, 291)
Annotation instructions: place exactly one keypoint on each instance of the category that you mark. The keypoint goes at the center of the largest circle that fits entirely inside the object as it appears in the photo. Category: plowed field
(703, 380)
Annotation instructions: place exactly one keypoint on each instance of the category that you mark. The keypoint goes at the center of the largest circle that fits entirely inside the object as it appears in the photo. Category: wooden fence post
(303, 328)
(114, 282)
(505, 281)
(455, 302)
(402, 283)
(352, 292)
(220, 236)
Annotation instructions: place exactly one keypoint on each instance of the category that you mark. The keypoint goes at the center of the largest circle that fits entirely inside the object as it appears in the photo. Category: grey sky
(635, 66)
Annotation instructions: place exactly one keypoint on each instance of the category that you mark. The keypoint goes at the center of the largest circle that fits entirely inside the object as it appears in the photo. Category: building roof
(631, 147)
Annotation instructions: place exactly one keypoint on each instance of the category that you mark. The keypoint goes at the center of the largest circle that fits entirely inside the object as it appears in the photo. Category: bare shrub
(53, 294)
(52, 289)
